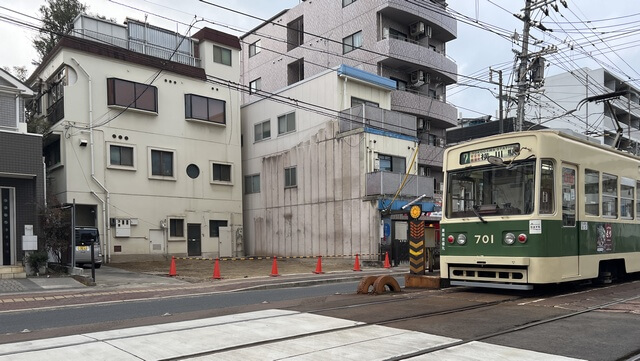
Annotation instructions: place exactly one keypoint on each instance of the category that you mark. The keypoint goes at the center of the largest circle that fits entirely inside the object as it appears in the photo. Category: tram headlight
(509, 238)
(462, 239)
(522, 238)
(450, 239)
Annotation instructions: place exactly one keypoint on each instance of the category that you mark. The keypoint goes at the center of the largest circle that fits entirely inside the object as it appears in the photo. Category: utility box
(29, 241)
(123, 227)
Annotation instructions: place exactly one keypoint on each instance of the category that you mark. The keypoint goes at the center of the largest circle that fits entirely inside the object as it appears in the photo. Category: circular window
(193, 171)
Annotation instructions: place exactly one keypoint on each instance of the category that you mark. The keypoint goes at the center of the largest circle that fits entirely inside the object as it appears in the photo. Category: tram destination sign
(479, 155)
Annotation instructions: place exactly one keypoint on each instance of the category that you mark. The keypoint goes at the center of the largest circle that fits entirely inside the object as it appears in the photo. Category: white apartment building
(567, 92)
(318, 157)
(392, 39)
(145, 146)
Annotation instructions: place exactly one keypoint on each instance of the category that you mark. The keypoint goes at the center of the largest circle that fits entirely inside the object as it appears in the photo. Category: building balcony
(444, 25)
(387, 184)
(55, 112)
(405, 53)
(442, 114)
(374, 118)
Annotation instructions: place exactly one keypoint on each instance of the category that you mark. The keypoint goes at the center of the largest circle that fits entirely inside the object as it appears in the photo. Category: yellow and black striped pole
(416, 241)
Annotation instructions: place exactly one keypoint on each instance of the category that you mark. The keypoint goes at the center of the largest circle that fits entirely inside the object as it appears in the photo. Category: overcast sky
(583, 26)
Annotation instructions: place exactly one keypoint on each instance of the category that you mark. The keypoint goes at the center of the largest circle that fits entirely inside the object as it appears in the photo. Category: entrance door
(569, 240)
(7, 224)
(194, 240)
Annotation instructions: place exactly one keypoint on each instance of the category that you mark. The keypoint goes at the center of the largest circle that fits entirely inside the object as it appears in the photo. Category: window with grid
(221, 172)
(203, 108)
(121, 155)
(287, 123)
(221, 55)
(130, 94)
(290, 177)
(262, 130)
(609, 195)
(161, 163)
(352, 42)
(252, 184)
(627, 193)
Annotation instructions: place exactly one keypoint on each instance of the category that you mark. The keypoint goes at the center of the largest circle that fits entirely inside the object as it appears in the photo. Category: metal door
(156, 240)
(194, 240)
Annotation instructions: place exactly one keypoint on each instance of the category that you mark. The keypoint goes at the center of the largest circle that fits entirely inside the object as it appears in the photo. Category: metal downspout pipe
(105, 205)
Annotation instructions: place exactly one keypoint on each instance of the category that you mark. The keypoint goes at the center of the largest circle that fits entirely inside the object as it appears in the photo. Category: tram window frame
(609, 195)
(592, 192)
(547, 199)
(627, 193)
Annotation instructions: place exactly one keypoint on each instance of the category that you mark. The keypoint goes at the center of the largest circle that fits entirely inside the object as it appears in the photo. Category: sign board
(479, 155)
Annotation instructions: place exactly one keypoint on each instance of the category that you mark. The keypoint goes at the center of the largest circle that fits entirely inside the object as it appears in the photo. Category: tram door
(569, 264)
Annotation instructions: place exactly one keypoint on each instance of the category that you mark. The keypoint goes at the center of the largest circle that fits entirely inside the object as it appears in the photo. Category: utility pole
(523, 81)
(523, 85)
(500, 115)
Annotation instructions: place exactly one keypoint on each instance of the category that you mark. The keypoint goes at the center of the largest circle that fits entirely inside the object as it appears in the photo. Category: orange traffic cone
(216, 270)
(172, 268)
(274, 268)
(319, 266)
(356, 266)
(386, 260)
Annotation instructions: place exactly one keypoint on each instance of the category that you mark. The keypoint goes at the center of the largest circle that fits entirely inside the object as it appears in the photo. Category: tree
(20, 72)
(56, 16)
(56, 222)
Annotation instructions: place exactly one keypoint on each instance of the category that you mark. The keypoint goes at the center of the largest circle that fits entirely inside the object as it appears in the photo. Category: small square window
(287, 123)
(176, 227)
(254, 48)
(221, 55)
(252, 184)
(262, 131)
(352, 42)
(162, 163)
(255, 85)
(290, 177)
(121, 156)
(221, 172)
(214, 227)
(347, 2)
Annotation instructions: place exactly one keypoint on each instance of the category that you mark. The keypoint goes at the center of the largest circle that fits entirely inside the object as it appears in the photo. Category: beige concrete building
(141, 141)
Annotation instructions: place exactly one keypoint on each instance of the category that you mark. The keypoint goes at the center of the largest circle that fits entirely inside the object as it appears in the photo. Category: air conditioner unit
(385, 33)
(416, 29)
(417, 78)
(421, 123)
(440, 142)
(429, 32)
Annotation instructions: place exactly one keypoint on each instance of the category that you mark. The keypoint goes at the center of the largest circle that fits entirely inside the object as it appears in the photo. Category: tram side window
(591, 192)
(546, 187)
(637, 198)
(609, 195)
(626, 197)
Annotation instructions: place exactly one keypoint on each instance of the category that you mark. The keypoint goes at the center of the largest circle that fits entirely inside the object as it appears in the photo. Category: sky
(586, 34)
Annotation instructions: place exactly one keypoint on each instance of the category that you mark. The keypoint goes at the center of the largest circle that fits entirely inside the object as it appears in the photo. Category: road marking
(526, 303)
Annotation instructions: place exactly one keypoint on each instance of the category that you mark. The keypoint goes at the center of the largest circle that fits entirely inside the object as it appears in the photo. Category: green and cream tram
(538, 207)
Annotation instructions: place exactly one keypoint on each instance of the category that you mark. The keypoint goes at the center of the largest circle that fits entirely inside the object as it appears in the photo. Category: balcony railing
(387, 183)
(372, 117)
(56, 111)
(138, 46)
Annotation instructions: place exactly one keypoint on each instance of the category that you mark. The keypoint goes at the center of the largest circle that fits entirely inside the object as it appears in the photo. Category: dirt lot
(195, 270)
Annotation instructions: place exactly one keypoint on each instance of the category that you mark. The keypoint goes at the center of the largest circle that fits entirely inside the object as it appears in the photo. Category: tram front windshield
(491, 190)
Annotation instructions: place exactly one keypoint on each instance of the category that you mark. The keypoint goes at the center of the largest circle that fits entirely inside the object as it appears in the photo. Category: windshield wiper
(475, 211)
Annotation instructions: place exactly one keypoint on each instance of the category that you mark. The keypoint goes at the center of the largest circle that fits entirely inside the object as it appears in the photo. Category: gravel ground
(195, 270)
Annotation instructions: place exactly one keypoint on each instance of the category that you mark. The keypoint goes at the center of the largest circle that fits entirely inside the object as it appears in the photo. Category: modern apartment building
(21, 177)
(398, 40)
(567, 92)
(145, 146)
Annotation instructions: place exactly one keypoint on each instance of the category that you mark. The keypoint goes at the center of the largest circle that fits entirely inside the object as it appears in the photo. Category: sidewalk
(113, 283)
